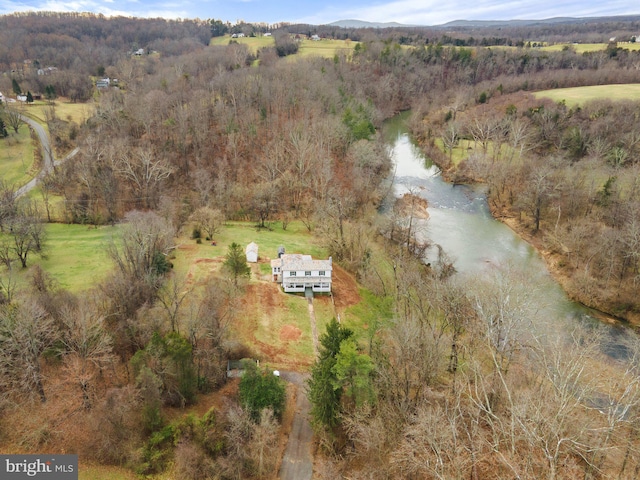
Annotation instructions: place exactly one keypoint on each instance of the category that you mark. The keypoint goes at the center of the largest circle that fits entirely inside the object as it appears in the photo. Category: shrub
(260, 390)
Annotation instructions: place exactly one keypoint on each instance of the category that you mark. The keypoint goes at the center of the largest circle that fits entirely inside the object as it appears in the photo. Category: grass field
(65, 110)
(580, 95)
(588, 47)
(16, 157)
(326, 48)
(75, 255)
(254, 43)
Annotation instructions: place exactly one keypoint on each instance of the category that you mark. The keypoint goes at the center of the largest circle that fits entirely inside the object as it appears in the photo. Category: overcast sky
(412, 12)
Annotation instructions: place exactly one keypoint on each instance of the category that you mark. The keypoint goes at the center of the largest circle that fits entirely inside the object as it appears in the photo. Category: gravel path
(297, 462)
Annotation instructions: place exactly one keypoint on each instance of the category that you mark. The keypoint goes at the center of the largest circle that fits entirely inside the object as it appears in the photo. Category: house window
(321, 273)
(292, 274)
(307, 274)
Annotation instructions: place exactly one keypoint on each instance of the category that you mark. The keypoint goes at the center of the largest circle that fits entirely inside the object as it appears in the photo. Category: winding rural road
(297, 462)
(47, 156)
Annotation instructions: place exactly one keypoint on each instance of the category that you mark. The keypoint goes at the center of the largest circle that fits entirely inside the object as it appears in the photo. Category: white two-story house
(297, 272)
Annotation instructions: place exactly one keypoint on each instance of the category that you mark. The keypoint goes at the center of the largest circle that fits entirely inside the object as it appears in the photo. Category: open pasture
(325, 47)
(579, 95)
(16, 157)
(588, 47)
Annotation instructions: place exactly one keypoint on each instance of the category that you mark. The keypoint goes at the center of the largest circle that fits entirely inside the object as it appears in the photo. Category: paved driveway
(47, 156)
(297, 462)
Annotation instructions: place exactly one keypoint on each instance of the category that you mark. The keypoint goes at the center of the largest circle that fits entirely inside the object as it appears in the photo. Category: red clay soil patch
(189, 247)
(290, 333)
(208, 260)
(344, 288)
(266, 293)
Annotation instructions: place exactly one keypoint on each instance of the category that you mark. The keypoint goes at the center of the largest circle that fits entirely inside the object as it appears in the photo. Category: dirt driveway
(297, 462)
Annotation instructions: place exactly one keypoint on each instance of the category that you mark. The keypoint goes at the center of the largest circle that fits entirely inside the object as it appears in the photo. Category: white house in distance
(299, 272)
(252, 252)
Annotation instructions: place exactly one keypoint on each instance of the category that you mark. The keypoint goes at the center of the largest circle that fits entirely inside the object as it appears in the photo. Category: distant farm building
(252, 252)
(297, 273)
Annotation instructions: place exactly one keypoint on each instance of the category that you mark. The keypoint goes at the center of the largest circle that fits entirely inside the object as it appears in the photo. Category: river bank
(459, 208)
(603, 308)
(553, 261)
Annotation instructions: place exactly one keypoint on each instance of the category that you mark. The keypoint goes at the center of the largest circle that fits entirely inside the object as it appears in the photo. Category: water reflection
(460, 222)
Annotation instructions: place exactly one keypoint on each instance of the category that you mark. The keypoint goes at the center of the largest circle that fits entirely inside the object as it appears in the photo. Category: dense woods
(450, 380)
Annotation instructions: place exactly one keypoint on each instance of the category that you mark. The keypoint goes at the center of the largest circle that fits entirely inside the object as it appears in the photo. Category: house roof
(252, 247)
(298, 262)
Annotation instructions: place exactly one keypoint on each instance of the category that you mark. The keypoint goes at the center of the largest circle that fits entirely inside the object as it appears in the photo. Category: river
(461, 223)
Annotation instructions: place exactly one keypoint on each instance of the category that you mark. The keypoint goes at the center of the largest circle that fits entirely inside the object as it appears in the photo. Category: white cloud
(136, 9)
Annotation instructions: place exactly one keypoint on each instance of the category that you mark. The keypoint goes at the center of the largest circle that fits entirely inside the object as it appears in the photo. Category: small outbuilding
(252, 252)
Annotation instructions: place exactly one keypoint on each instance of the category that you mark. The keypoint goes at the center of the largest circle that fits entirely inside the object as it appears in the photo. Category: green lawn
(75, 255)
(579, 95)
(296, 238)
(459, 153)
(16, 157)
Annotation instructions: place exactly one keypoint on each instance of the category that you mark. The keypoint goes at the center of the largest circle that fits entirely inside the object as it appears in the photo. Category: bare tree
(145, 173)
(26, 331)
(26, 234)
(14, 119)
(8, 205)
(8, 281)
(209, 220)
(450, 138)
(87, 346)
(551, 416)
(171, 296)
(264, 445)
(505, 306)
(540, 188)
(146, 240)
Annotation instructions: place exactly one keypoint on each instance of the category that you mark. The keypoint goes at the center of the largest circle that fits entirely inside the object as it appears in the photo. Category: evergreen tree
(15, 86)
(29, 97)
(259, 390)
(50, 92)
(325, 388)
(236, 263)
(218, 28)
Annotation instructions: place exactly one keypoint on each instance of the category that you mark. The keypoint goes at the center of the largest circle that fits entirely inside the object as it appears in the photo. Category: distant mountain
(363, 24)
(546, 21)
(506, 23)
(487, 23)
